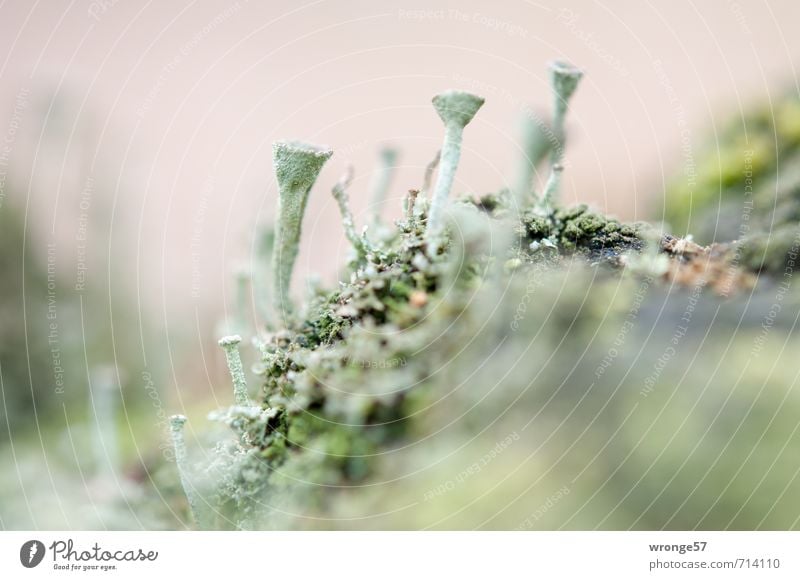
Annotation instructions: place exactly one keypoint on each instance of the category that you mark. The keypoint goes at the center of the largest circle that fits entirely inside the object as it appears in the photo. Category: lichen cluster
(443, 323)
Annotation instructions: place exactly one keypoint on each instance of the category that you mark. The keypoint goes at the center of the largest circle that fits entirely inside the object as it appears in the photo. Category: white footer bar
(355, 555)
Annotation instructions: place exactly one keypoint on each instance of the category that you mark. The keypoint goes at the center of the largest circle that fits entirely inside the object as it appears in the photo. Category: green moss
(770, 252)
(727, 187)
(578, 230)
(438, 336)
(597, 234)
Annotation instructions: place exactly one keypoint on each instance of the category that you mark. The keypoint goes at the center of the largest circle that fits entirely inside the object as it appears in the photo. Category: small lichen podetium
(381, 181)
(297, 166)
(176, 424)
(552, 186)
(456, 109)
(360, 245)
(261, 276)
(535, 146)
(243, 280)
(429, 169)
(564, 79)
(231, 346)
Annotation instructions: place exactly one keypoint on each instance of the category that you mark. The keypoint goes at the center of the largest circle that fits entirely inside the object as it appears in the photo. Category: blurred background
(135, 171)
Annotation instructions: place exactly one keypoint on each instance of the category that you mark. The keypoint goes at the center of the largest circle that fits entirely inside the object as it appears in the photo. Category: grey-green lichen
(361, 373)
(230, 345)
(297, 166)
(176, 426)
(456, 109)
(564, 78)
(537, 141)
(308, 416)
(382, 180)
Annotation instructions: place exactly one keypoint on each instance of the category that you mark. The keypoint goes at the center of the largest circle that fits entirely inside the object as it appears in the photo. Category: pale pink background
(170, 107)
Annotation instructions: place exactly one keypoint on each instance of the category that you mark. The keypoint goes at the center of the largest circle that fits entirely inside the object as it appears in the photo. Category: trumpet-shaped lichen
(297, 166)
(363, 369)
(456, 109)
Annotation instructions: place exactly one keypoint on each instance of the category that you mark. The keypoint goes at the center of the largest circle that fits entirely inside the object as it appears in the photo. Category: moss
(770, 253)
(727, 188)
(578, 230)
(450, 331)
(597, 234)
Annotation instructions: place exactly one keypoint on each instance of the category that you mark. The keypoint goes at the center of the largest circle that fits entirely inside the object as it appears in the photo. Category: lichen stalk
(456, 109)
(342, 200)
(231, 346)
(381, 180)
(564, 78)
(176, 424)
(297, 166)
(103, 402)
(242, 297)
(261, 278)
(429, 169)
(551, 188)
(535, 146)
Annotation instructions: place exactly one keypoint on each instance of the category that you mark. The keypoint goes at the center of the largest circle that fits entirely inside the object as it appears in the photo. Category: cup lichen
(297, 166)
(363, 371)
(456, 109)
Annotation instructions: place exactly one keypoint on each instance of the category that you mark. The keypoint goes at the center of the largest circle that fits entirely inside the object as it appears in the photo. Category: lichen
(419, 317)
